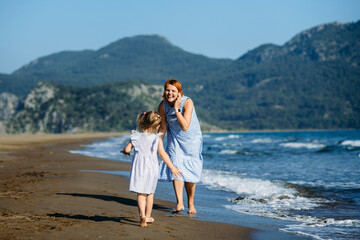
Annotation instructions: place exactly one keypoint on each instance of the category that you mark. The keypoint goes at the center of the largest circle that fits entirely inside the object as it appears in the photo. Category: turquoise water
(304, 184)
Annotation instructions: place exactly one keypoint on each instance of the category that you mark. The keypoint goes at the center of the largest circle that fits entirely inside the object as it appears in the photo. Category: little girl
(145, 167)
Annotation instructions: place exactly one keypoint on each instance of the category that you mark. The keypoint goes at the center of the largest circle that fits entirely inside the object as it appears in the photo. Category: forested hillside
(55, 108)
(312, 81)
(150, 58)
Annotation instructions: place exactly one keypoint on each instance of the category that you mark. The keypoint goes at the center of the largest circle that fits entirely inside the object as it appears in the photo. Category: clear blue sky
(221, 29)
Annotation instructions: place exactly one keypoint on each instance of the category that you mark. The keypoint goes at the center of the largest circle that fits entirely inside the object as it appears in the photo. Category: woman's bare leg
(178, 187)
(190, 191)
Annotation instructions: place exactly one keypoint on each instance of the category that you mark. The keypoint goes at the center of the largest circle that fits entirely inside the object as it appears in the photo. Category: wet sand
(44, 196)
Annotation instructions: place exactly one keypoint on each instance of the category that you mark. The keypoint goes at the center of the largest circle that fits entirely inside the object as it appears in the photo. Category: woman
(184, 142)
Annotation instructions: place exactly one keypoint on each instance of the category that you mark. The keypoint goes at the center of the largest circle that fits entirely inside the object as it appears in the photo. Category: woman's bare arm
(163, 124)
(184, 119)
(165, 157)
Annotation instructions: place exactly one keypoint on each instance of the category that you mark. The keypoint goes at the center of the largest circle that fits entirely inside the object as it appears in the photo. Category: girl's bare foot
(150, 220)
(143, 222)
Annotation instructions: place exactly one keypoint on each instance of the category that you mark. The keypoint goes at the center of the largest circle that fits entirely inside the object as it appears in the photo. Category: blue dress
(183, 147)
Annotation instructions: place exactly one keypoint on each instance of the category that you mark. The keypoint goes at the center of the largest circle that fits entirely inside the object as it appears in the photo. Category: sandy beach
(44, 195)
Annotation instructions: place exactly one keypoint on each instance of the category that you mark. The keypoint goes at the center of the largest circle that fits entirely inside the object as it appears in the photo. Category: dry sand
(44, 196)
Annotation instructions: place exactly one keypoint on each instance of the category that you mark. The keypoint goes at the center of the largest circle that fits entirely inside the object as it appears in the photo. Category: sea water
(306, 183)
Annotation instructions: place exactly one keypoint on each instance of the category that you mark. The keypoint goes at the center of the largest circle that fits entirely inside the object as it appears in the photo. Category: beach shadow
(95, 218)
(122, 200)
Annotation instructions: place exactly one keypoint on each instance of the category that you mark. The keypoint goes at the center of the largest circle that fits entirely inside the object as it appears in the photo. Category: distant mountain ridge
(312, 81)
(322, 43)
(146, 57)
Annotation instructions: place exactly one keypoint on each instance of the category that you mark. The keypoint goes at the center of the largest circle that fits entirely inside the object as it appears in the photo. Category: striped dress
(183, 147)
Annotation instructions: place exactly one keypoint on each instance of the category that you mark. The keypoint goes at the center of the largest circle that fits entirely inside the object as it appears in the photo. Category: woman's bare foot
(143, 222)
(192, 209)
(150, 220)
(178, 209)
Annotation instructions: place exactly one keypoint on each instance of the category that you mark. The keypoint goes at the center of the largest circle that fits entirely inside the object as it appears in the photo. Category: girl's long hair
(149, 119)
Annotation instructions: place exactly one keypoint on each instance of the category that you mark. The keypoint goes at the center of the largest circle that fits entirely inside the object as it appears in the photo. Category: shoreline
(279, 130)
(44, 195)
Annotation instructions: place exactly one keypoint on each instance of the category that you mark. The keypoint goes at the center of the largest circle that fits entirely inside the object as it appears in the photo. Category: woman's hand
(177, 102)
(176, 172)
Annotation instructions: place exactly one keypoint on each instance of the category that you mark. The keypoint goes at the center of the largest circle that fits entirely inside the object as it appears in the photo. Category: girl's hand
(176, 172)
(177, 102)
(124, 152)
(127, 148)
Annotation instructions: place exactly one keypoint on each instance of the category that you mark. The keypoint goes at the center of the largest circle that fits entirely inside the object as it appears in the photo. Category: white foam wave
(216, 146)
(82, 152)
(246, 206)
(102, 145)
(352, 143)
(234, 136)
(106, 155)
(227, 137)
(300, 231)
(109, 149)
(326, 184)
(267, 198)
(262, 140)
(220, 138)
(321, 228)
(224, 145)
(234, 182)
(303, 145)
(228, 151)
(234, 144)
(276, 200)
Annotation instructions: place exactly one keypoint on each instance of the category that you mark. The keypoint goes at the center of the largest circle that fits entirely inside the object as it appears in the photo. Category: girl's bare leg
(190, 191)
(149, 207)
(178, 187)
(141, 199)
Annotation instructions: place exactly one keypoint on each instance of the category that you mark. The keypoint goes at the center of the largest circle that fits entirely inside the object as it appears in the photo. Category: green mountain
(312, 81)
(151, 58)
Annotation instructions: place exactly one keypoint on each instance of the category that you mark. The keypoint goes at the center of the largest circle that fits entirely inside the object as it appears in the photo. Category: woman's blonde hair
(149, 119)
